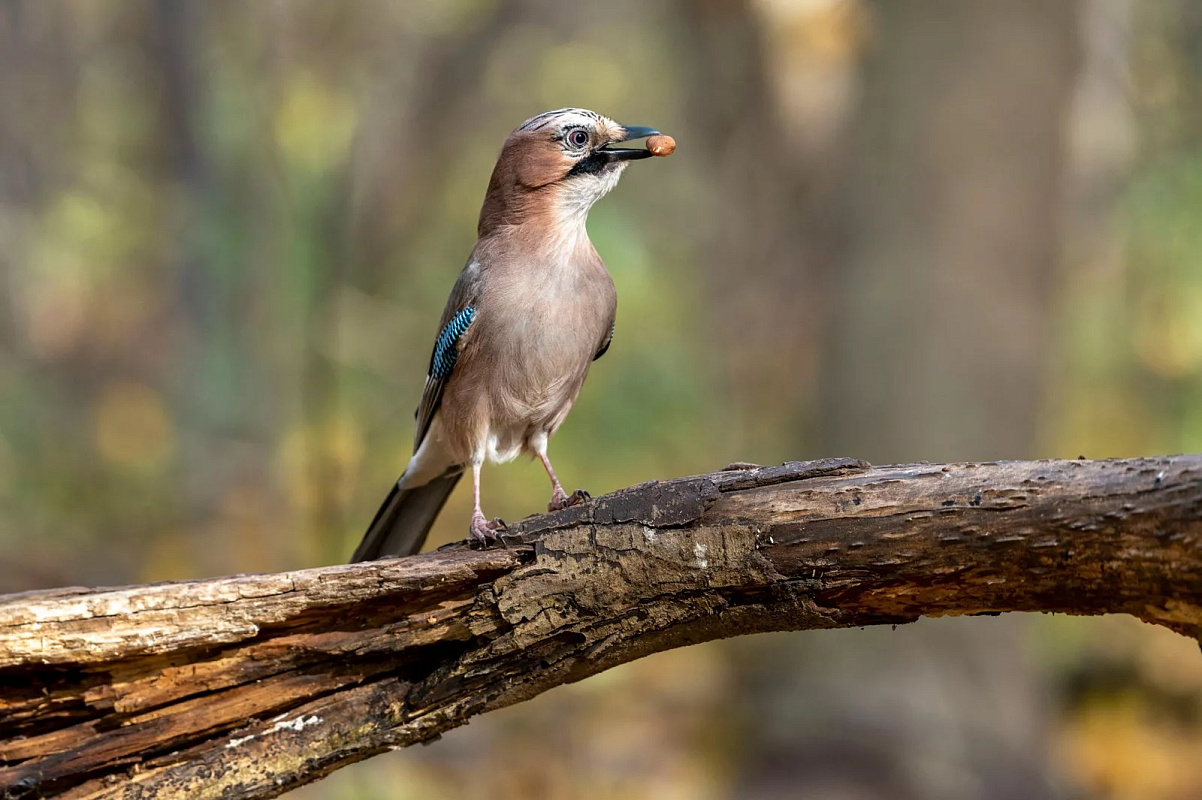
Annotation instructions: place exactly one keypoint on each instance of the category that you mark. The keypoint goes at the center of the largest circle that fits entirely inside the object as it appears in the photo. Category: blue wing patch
(446, 346)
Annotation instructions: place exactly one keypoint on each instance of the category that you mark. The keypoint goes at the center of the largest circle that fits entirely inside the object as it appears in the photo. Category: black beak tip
(638, 132)
(629, 132)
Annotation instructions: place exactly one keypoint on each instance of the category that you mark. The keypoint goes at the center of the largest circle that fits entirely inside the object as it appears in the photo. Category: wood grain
(246, 686)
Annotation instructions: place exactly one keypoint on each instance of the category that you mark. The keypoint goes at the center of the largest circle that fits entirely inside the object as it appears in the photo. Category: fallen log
(247, 686)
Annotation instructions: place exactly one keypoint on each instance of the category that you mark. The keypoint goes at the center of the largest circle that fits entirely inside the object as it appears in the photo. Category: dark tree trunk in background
(933, 349)
(940, 294)
(32, 117)
(391, 205)
(755, 257)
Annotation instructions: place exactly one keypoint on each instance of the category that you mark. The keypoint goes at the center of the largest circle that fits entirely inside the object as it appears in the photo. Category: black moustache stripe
(590, 165)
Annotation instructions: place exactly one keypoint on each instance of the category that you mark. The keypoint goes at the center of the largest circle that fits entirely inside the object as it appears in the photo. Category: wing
(608, 339)
(457, 319)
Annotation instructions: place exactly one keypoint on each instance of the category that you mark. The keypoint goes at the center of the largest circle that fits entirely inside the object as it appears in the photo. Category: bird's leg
(481, 530)
(560, 498)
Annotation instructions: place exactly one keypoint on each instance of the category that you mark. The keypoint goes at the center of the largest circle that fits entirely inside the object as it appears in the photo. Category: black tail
(401, 524)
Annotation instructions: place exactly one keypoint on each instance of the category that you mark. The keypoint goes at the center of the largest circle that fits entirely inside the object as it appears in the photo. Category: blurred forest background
(900, 230)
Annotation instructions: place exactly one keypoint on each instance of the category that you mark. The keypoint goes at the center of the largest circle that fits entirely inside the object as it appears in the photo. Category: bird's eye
(578, 138)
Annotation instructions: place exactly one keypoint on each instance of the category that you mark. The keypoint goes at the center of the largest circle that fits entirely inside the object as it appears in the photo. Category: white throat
(577, 195)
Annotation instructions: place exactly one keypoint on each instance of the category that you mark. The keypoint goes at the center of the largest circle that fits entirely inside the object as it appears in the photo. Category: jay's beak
(629, 132)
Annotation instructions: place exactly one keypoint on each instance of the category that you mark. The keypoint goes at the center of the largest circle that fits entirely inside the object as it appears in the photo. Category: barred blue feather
(446, 349)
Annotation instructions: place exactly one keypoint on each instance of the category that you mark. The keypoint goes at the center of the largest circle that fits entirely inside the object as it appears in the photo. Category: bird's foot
(483, 532)
(561, 500)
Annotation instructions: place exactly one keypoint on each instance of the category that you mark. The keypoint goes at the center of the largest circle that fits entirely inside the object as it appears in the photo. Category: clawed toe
(560, 500)
(483, 533)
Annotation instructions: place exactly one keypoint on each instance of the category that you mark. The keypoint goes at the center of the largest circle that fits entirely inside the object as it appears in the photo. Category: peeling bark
(250, 685)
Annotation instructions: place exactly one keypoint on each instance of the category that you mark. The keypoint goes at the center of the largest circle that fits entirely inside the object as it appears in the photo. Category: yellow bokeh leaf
(314, 124)
(132, 425)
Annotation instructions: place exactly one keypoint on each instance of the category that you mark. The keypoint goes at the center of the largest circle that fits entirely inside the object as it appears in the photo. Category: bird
(532, 309)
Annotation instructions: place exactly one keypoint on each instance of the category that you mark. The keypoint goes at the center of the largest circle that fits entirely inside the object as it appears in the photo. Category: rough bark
(250, 685)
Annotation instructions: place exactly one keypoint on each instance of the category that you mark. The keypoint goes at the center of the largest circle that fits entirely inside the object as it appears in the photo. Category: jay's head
(556, 165)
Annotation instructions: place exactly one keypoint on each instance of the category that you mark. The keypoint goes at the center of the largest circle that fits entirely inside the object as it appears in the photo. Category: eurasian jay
(533, 308)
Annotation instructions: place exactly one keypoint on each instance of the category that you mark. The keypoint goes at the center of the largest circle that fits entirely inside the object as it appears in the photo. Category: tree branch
(247, 686)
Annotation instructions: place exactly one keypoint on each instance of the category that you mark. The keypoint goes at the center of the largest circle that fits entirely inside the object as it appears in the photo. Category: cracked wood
(249, 685)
